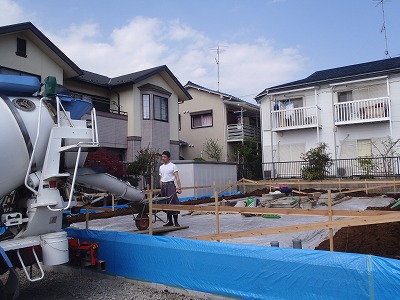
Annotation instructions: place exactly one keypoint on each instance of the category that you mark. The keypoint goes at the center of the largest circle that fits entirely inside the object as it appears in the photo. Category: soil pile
(378, 239)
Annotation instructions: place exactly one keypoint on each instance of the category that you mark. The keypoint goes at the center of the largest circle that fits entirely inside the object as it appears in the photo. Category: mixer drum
(18, 124)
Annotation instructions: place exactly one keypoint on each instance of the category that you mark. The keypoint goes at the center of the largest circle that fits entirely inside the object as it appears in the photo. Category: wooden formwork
(353, 217)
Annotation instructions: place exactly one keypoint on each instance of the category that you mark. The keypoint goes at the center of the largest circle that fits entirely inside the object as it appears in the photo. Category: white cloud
(11, 13)
(245, 69)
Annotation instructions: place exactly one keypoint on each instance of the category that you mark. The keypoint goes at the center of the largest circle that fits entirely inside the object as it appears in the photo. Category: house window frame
(147, 115)
(21, 47)
(364, 146)
(164, 100)
(348, 94)
(201, 113)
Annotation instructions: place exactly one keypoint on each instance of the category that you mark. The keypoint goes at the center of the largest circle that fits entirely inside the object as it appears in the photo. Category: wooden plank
(159, 230)
(304, 227)
(275, 211)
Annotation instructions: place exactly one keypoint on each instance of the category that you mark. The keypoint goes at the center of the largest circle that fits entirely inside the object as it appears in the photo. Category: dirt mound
(378, 239)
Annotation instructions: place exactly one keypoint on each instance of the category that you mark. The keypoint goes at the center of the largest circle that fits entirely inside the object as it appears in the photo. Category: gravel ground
(64, 283)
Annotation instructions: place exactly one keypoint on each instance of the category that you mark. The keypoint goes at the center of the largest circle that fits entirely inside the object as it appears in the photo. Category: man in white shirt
(168, 175)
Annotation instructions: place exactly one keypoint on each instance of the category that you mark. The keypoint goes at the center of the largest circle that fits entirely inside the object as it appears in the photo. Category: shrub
(318, 161)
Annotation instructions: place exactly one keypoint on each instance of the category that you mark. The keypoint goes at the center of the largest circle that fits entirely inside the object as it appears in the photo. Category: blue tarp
(225, 194)
(243, 271)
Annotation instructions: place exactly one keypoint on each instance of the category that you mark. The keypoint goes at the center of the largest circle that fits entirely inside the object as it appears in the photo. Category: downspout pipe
(118, 97)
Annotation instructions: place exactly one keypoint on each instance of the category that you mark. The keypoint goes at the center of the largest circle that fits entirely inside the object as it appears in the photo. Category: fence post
(330, 220)
(150, 198)
(216, 212)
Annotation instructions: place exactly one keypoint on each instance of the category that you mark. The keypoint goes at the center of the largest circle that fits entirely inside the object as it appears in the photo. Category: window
(345, 96)
(202, 119)
(146, 106)
(364, 148)
(179, 122)
(21, 47)
(160, 108)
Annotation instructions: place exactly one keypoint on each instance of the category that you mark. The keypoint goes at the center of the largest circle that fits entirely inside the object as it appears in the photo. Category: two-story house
(134, 111)
(218, 116)
(353, 109)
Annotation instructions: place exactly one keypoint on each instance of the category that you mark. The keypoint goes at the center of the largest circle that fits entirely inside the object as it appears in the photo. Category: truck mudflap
(9, 290)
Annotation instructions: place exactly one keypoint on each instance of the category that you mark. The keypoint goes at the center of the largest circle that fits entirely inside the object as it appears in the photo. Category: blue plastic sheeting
(83, 210)
(225, 194)
(243, 271)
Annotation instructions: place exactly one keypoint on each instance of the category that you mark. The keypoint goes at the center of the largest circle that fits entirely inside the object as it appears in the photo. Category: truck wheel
(2, 291)
(142, 222)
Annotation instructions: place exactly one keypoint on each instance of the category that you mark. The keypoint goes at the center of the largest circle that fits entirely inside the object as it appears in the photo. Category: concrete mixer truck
(44, 140)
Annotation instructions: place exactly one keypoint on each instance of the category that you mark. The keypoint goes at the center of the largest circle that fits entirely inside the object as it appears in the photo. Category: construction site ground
(380, 239)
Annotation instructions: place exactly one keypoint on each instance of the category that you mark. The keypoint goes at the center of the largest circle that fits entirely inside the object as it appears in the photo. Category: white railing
(360, 111)
(295, 118)
(239, 132)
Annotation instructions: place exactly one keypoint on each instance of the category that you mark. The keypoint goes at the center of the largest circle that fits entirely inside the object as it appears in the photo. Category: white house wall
(37, 62)
(334, 136)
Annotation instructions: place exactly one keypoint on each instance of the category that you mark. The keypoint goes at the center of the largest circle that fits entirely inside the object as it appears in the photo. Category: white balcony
(240, 132)
(296, 118)
(362, 111)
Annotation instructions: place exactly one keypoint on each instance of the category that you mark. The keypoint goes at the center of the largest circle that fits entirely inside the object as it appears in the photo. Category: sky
(261, 43)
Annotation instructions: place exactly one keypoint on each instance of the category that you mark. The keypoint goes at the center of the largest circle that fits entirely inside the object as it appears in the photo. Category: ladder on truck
(67, 135)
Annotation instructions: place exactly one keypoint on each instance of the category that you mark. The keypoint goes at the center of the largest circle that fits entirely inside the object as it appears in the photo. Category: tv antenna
(383, 29)
(218, 51)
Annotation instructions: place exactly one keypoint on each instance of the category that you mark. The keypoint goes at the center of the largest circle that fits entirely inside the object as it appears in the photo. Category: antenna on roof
(383, 29)
(218, 50)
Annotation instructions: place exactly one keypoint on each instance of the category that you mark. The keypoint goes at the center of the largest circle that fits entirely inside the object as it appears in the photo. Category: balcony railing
(362, 111)
(296, 118)
(240, 132)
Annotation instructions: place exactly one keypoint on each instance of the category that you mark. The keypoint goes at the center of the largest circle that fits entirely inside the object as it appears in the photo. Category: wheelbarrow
(141, 211)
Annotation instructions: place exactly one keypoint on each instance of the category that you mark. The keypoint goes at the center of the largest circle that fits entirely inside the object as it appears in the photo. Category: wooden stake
(87, 218)
(330, 220)
(150, 198)
(366, 186)
(112, 201)
(216, 212)
(394, 185)
(270, 185)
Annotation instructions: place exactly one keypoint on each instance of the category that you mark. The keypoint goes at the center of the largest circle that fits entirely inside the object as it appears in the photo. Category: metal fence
(363, 167)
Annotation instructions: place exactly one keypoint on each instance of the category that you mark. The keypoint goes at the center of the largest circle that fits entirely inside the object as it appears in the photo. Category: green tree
(145, 165)
(212, 148)
(249, 155)
(248, 152)
(318, 161)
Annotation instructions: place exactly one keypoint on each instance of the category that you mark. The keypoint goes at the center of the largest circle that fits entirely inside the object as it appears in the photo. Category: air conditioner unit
(268, 174)
(342, 172)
